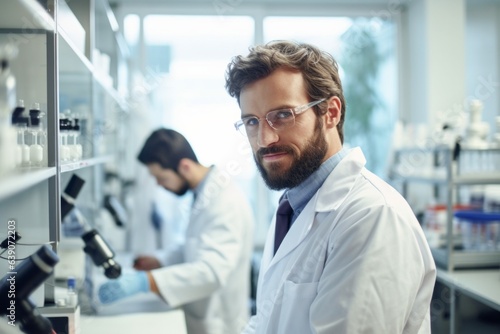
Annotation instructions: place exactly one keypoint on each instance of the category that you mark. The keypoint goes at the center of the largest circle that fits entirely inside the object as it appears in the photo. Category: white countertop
(151, 323)
(482, 285)
(142, 313)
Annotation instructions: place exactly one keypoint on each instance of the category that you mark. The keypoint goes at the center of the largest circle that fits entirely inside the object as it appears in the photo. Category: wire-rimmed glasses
(277, 119)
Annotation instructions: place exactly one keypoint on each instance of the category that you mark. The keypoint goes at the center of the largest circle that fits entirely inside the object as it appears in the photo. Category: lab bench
(153, 322)
(141, 313)
(480, 285)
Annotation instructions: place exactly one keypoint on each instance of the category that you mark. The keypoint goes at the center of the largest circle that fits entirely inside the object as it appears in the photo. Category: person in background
(209, 275)
(345, 253)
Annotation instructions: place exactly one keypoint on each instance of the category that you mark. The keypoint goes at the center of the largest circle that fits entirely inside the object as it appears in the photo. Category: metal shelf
(465, 259)
(482, 178)
(73, 166)
(421, 179)
(25, 15)
(465, 179)
(24, 179)
(446, 177)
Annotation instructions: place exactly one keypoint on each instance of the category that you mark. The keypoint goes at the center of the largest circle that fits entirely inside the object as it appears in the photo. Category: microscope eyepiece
(70, 194)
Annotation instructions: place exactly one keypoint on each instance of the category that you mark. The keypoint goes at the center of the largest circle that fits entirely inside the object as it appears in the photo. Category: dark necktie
(283, 216)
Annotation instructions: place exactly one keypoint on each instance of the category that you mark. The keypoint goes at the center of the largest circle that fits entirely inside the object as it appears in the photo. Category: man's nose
(266, 135)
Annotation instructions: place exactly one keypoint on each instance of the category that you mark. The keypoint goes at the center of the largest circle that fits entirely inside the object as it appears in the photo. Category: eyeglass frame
(295, 111)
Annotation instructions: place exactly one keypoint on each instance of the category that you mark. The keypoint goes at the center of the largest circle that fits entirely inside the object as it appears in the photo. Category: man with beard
(345, 253)
(209, 275)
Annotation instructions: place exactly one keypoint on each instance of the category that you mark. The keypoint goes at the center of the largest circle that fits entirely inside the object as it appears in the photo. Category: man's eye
(282, 114)
(253, 121)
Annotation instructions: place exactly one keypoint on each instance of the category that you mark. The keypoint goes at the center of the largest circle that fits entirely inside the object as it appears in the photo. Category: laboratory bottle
(7, 105)
(36, 149)
(17, 121)
(72, 296)
(64, 151)
(23, 150)
(18, 111)
(76, 147)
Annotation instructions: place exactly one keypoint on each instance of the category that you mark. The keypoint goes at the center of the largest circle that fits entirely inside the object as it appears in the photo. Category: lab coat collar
(340, 181)
(329, 197)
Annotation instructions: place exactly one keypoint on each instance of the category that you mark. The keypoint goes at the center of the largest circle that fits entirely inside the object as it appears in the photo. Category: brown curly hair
(319, 69)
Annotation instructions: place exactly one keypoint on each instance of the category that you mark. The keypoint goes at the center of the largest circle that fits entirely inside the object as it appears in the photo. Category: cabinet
(75, 72)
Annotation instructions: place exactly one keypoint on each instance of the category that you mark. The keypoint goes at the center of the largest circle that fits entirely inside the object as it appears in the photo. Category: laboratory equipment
(36, 129)
(477, 130)
(68, 197)
(71, 295)
(95, 246)
(20, 123)
(7, 105)
(101, 253)
(16, 287)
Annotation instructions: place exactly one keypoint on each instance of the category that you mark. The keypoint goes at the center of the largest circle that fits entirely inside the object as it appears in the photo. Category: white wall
(482, 57)
(433, 59)
(450, 53)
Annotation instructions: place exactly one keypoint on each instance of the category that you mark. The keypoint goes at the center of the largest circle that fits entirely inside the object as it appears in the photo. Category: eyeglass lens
(279, 119)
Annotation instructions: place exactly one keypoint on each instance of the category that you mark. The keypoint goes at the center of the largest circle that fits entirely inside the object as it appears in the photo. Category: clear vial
(36, 149)
(76, 147)
(64, 151)
(23, 147)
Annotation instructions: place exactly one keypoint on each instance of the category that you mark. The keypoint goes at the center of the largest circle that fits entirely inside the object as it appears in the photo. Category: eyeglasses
(277, 119)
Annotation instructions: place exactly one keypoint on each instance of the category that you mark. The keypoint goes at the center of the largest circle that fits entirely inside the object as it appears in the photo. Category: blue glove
(125, 286)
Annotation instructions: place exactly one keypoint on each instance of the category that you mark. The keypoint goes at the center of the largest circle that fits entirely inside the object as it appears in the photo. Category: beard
(183, 190)
(303, 165)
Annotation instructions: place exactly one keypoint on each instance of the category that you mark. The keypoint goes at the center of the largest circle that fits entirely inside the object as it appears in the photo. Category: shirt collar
(301, 194)
(199, 187)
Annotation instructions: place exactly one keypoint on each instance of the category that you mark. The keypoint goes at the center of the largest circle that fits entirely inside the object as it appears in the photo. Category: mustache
(273, 149)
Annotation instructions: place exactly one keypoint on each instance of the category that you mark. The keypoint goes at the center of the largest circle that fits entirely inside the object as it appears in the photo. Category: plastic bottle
(72, 296)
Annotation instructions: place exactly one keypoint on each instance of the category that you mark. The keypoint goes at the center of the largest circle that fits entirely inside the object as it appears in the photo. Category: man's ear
(184, 167)
(334, 112)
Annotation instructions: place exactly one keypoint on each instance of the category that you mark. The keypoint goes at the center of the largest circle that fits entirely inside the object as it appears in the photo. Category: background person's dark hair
(166, 147)
(319, 68)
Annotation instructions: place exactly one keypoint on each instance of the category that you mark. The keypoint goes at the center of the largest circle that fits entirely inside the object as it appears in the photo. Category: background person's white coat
(211, 280)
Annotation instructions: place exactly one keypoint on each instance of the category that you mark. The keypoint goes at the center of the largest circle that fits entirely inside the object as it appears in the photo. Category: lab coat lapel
(297, 233)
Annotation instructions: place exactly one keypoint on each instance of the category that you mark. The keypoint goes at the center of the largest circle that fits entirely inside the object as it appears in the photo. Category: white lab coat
(354, 261)
(211, 279)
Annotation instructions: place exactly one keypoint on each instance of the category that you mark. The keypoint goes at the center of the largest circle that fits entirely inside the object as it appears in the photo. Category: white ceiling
(270, 2)
(348, 7)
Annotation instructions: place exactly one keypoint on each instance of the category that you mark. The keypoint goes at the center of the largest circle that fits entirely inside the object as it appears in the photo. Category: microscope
(95, 246)
(17, 286)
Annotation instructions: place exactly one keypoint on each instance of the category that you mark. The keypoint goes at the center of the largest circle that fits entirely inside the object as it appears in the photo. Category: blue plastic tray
(478, 216)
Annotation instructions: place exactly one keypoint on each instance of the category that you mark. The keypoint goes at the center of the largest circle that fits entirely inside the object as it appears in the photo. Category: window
(365, 52)
(186, 57)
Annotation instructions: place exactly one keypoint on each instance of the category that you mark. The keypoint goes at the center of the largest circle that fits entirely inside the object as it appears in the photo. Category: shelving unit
(53, 69)
(446, 177)
(475, 273)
